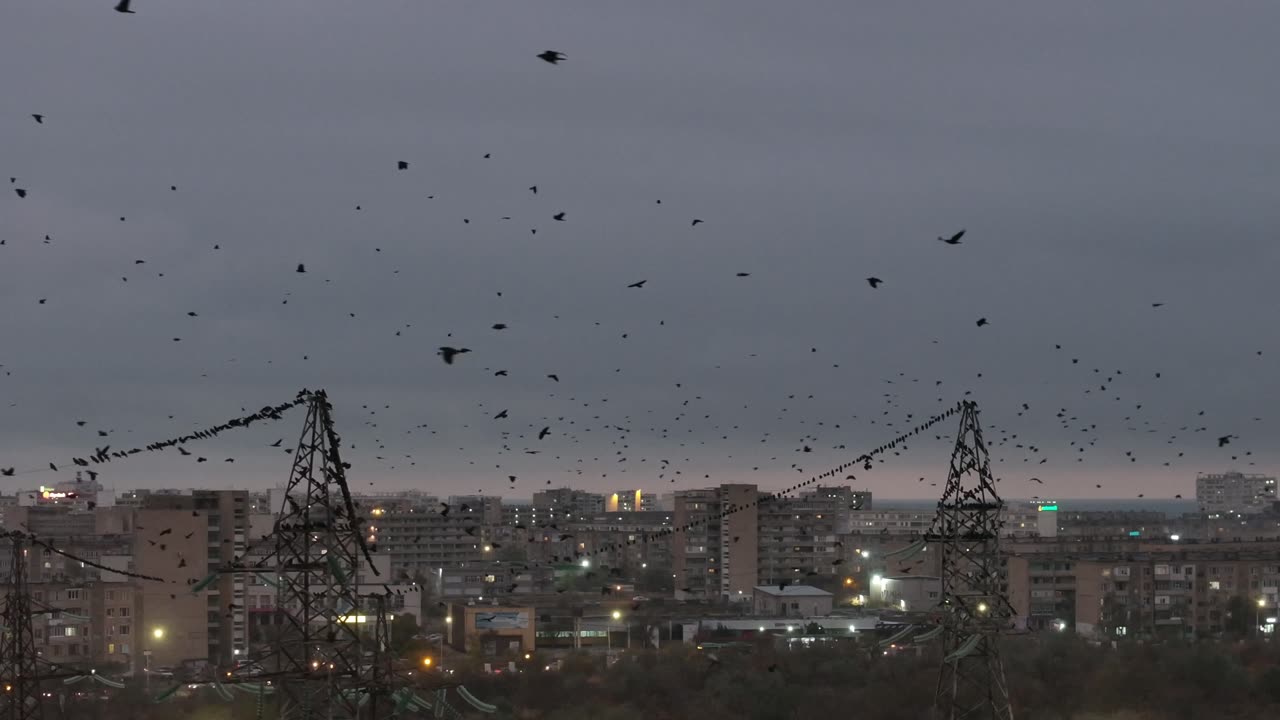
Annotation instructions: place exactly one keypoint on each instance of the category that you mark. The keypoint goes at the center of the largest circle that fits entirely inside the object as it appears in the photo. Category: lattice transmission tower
(320, 550)
(19, 664)
(966, 530)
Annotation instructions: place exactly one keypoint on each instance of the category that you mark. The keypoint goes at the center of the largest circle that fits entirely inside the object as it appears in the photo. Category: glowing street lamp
(158, 633)
(982, 607)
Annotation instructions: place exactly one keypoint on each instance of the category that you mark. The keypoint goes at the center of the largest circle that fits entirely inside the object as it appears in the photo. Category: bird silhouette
(552, 56)
(874, 282)
(123, 6)
(954, 239)
(39, 118)
(448, 353)
(639, 284)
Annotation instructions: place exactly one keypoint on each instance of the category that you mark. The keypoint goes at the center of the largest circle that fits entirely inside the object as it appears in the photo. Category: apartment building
(568, 502)
(1235, 493)
(1145, 588)
(627, 501)
(800, 536)
(715, 543)
(422, 539)
(219, 519)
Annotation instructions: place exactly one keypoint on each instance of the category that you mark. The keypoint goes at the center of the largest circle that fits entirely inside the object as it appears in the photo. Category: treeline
(1057, 677)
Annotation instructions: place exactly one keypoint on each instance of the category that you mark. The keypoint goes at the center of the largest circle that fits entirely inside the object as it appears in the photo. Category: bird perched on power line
(954, 239)
(552, 56)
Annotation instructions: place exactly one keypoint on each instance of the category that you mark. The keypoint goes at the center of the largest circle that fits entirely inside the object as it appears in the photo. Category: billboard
(502, 620)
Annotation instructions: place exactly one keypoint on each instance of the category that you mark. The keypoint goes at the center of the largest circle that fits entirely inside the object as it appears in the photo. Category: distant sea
(1168, 506)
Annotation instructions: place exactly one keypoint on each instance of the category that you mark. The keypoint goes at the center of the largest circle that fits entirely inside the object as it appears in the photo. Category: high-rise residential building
(177, 627)
(422, 539)
(801, 535)
(1234, 493)
(575, 504)
(486, 509)
(627, 501)
(215, 523)
(714, 549)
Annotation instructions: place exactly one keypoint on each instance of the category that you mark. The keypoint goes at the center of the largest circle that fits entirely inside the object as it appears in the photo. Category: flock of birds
(584, 437)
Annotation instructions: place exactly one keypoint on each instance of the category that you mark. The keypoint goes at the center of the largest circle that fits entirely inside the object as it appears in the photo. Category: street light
(1257, 613)
(158, 633)
(982, 607)
(426, 662)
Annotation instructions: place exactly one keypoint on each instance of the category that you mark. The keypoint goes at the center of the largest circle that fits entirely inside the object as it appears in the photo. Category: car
(639, 598)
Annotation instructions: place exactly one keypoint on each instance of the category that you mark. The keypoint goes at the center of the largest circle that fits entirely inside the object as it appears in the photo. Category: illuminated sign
(1048, 508)
(51, 494)
(1135, 533)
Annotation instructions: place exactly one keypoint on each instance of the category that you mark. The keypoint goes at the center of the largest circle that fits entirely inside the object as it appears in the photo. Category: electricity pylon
(319, 552)
(966, 530)
(19, 664)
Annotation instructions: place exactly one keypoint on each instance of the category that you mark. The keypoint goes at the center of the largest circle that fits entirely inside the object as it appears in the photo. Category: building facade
(1234, 493)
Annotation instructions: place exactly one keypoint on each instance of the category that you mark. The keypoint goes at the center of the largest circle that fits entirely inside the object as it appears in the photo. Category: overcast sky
(1102, 156)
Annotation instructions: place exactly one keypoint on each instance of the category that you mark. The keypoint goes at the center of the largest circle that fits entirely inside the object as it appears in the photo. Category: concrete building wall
(739, 541)
(1234, 493)
(174, 623)
(498, 631)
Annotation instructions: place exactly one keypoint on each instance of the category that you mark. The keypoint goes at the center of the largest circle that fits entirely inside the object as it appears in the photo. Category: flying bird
(874, 282)
(544, 432)
(552, 56)
(982, 321)
(123, 7)
(954, 239)
(39, 118)
(301, 268)
(448, 353)
(638, 284)
(558, 216)
(402, 165)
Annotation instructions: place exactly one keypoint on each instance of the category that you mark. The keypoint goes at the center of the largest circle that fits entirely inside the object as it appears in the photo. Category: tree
(1239, 618)
(655, 579)
(403, 629)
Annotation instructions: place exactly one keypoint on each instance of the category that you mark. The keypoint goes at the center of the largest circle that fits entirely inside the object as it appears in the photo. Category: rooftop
(792, 591)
